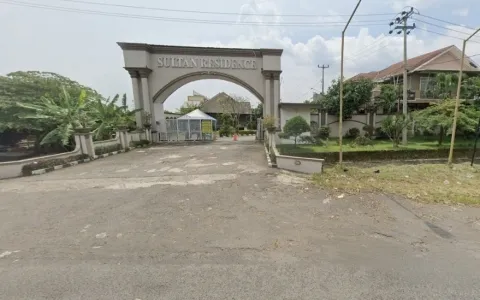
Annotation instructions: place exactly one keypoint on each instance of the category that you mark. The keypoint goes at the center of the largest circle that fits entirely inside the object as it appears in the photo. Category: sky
(83, 46)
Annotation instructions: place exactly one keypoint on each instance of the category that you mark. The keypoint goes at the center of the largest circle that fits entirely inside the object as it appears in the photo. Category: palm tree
(65, 113)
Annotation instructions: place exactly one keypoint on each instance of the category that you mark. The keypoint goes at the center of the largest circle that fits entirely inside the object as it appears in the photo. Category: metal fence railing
(188, 130)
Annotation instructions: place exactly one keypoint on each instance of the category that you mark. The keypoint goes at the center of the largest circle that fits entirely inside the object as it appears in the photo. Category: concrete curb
(74, 163)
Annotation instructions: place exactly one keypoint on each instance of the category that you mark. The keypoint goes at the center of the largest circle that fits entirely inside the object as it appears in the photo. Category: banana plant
(109, 116)
(66, 114)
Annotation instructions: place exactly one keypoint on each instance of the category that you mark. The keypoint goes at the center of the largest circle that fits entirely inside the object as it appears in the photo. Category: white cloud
(83, 47)
(462, 12)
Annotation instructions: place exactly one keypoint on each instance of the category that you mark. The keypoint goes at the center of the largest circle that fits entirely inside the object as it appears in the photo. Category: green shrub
(369, 131)
(283, 135)
(352, 133)
(45, 164)
(380, 134)
(247, 132)
(398, 154)
(226, 131)
(306, 139)
(363, 141)
(107, 149)
(324, 132)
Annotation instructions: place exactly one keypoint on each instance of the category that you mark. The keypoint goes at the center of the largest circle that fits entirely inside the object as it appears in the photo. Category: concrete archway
(157, 71)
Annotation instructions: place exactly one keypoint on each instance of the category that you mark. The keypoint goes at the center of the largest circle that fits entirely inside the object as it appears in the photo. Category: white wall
(11, 169)
(286, 113)
(106, 143)
(357, 121)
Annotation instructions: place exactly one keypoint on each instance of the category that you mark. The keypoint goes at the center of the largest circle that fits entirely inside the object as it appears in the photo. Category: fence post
(86, 143)
(148, 134)
(122, 137)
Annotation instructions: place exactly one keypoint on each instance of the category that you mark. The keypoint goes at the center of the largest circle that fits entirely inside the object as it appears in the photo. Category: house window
(427, 85)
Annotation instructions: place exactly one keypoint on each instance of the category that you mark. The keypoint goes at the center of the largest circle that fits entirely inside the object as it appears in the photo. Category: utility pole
(340, 117)
(401, 23)
(323, 67)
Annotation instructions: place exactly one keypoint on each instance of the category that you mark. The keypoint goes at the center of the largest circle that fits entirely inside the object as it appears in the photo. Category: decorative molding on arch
(275, 74)
(138, 72)
(209, 75)
(207, 51)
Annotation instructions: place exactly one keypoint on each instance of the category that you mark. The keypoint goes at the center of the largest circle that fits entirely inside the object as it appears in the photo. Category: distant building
(196, 99)
(223, 103)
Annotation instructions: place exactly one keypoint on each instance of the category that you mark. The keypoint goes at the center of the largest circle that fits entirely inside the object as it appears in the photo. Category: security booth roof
(196, 115)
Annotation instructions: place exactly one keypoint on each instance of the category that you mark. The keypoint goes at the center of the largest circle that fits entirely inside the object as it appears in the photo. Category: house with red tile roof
(422, 71)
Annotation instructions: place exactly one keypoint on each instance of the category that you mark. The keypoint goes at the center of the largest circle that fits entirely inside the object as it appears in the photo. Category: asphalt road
(214, 222)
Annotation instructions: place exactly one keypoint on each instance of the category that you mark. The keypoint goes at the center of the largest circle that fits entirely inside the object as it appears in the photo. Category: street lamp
(457, 100)
(340, 120)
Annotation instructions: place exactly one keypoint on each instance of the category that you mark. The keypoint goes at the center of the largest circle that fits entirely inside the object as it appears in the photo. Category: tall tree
(356, 94)
(28, 88)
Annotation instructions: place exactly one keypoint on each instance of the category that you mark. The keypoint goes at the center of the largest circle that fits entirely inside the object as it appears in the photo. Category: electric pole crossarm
(323, 67)
(402, 26)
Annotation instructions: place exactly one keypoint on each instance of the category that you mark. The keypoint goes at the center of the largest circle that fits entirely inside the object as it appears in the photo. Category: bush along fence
(85, 150)
(380, 155)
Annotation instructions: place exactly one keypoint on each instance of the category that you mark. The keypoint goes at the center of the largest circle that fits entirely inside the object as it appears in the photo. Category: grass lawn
(424, 182)
(413, 143)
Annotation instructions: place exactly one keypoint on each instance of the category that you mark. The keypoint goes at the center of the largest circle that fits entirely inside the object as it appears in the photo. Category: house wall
(446, 62)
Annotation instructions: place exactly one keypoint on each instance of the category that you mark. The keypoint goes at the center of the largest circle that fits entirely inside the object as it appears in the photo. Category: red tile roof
(397, 68)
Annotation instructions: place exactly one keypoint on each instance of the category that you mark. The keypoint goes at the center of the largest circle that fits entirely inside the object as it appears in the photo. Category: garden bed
(380, 150)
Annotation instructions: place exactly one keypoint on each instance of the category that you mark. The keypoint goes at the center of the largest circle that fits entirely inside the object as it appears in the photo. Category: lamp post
(340, 120)
(457, 99)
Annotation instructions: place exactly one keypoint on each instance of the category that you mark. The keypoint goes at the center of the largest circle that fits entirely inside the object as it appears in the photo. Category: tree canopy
(439, 116)
(356, 94)
(51, 106)
(295, 127)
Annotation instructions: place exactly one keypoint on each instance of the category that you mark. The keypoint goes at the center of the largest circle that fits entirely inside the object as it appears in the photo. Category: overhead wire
(451, 36)
(365, 50)
(215, 13)
(444, 21)
(442, 27)
(180, 20)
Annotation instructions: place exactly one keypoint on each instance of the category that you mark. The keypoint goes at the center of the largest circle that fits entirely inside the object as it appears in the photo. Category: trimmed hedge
(44, 164)
(400, 154)
(140, 143)
(107, 149)
(247, 132)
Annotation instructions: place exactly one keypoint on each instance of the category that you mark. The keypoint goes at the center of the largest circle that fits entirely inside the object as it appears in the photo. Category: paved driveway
(214, 222)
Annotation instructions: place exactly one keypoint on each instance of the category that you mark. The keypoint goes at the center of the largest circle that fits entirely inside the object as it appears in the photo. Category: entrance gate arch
(158, 70)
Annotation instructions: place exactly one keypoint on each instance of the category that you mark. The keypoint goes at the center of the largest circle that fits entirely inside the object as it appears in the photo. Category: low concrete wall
(298, 164)
(106, 143)
(13, 169)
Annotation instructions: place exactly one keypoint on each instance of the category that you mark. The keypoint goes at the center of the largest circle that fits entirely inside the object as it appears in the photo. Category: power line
(438, 33)
(215, 13)
(364, 50)
(444, 21)
(443, 27)
(180, 20)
